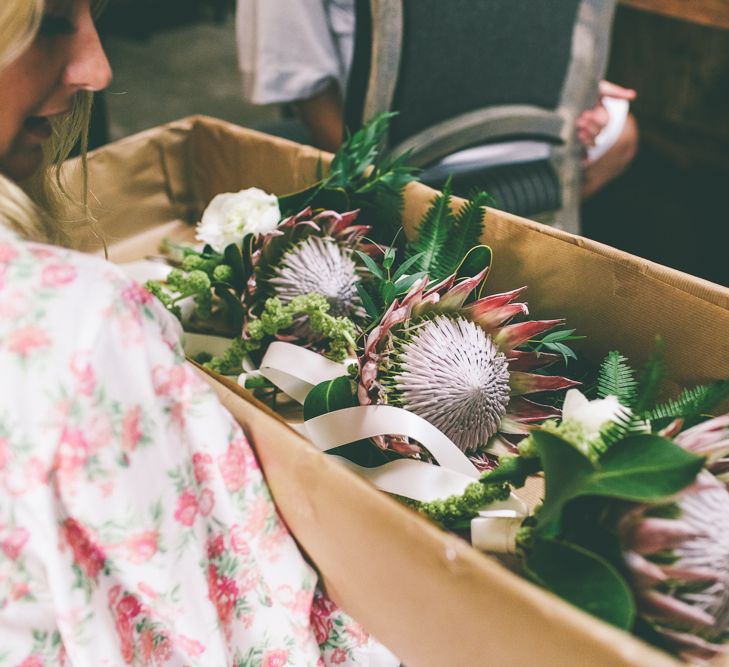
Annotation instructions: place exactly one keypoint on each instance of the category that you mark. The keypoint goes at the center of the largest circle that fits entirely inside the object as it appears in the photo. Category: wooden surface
(713, 13)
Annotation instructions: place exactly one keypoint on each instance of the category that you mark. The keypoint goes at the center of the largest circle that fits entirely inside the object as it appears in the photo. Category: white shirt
(292, 49)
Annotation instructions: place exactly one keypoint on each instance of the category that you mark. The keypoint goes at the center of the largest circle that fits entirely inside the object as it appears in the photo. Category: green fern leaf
(651, 379)
(692, 403)
(617, 378)
(432, 234)
(620, 428)
(466, 233)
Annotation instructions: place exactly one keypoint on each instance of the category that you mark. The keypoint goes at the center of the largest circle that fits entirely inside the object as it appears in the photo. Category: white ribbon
(296, 371)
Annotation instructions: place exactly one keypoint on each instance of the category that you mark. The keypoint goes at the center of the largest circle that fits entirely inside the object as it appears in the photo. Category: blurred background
(173, 58)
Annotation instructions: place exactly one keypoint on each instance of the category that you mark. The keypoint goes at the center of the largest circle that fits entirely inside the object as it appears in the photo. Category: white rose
(592, 415)
(230, 216)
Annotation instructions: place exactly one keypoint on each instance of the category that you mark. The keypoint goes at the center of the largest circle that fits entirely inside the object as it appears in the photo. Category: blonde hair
(34, 209)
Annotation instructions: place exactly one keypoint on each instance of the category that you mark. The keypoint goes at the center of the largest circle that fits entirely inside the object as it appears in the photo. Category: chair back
(461, 72)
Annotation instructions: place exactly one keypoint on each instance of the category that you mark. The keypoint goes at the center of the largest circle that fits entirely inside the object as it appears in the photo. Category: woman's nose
(88, 67)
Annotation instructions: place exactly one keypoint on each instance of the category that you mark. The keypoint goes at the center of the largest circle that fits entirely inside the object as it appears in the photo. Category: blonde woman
(135, 524)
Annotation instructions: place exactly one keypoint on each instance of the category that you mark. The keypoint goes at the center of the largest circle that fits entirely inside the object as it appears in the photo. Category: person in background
(300, 52)
(135, 524)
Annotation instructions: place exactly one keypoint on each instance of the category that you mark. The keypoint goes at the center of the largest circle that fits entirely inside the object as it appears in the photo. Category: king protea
(461, 367)
(309, 253)
(679, 557)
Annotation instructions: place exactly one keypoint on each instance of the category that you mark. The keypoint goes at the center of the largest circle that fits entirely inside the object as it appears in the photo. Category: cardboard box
(426, 594)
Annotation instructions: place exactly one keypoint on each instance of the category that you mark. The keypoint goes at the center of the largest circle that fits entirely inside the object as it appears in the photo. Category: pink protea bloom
(678, 554)
(458, 366)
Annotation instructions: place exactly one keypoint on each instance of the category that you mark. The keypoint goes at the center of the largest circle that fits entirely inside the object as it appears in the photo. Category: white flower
(230, 216)
(592, 415)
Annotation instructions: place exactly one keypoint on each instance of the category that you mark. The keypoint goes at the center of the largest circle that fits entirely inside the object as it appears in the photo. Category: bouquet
(448, 396)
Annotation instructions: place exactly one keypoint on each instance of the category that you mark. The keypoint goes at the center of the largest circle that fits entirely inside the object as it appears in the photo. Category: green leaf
(405, 266)
(403, 285)
(329, 396)
(388, 293)
(643, 468)
(617, 378)
(584, 579)
(234, 306)
(513, 470)
(389, 258)
(234, 260)
(369, 305)
(651, 379)
(371, 265)
(566, 472)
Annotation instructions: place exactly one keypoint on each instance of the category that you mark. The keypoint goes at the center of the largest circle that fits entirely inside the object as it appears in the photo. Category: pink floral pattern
(135, 524)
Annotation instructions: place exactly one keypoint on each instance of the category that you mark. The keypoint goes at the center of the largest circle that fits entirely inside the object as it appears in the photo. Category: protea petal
(520, 360)
(497, 300)
(517, 334)
(668, 608)
(489, 320)
(645, 573)
(655, 534)
(531, 383)
(523, 410)
(673, 429)
(455, 297)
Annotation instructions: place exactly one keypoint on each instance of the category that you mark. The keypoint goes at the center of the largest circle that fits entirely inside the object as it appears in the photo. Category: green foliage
(584, 579)
(617, 378)
(692, 403)
(329, 396)
(445, 240)
(512, 470)
(360, 177)
(556, 342)
(651, 379)
(456, 512)
(337, 333)
(643, 468)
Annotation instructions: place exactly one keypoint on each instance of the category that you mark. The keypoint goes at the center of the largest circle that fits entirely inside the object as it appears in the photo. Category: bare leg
(614, 162)
(324, 117)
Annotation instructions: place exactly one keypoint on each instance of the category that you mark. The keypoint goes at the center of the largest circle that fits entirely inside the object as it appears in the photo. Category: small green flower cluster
(339, 332)
(456, 511)
(571, 431)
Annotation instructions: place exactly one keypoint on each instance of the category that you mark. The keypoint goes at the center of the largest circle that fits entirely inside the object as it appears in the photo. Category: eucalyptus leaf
(369, 305)
(329, 396)
(584, 579)
(371, 265)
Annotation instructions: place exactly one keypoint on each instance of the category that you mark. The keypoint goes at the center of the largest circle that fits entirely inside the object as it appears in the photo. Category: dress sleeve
(144, 532)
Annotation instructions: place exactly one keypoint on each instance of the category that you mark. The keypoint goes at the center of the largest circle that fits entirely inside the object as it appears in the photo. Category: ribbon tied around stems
(296, 371)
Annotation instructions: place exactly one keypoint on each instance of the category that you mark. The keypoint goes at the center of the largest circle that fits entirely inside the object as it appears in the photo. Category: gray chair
(463, 73)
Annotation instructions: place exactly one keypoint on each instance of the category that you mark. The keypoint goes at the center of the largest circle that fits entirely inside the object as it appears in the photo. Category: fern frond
(617, 378)
(692, 403)
(466, 233)
(651, 379)
(622, 427)
(433, 233)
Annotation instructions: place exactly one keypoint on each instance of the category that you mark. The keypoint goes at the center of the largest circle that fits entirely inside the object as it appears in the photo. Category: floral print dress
(135, 525)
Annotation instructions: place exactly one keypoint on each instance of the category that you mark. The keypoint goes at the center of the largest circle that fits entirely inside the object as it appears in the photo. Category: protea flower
(679, 557)
(457, 365)
(306, 254)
